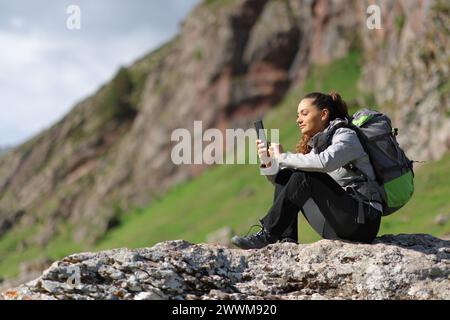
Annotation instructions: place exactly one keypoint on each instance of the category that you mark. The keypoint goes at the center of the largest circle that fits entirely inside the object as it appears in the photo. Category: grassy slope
(221, 197)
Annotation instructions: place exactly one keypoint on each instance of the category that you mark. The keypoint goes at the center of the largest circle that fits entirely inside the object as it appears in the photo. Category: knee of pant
(283, 176)
(298, 176)
(297, 180)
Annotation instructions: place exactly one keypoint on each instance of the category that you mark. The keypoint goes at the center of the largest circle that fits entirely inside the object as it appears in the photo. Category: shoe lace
(258, 233)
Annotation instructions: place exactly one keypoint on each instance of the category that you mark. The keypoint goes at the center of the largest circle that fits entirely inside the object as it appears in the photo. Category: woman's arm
(264, 170)
(268, 167)
(345, 147)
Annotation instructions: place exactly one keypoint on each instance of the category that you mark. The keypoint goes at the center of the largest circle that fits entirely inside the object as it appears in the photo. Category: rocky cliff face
(408, 69)
(3, 150)
(393, 267)
(231, 62)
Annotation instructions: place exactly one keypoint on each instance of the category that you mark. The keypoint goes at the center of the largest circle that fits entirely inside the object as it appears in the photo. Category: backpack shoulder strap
(362, 140)
(334, 129)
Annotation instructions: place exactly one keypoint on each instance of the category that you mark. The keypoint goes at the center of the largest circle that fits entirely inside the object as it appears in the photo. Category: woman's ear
(325, 115)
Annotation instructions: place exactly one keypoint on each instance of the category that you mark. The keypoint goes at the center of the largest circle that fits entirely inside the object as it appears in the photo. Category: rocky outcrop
(408, 70)
(393, 267)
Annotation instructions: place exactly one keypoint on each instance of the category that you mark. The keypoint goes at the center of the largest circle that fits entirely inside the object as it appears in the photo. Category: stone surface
(403, 266)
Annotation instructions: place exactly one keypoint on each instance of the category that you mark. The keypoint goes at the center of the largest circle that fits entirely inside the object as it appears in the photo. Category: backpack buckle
(361, 217)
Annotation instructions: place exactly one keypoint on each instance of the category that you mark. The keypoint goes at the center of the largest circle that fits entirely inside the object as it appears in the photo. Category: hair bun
(339, 104)
(336, 97)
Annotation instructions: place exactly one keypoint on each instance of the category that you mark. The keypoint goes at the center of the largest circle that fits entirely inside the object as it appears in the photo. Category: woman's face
(311, 119)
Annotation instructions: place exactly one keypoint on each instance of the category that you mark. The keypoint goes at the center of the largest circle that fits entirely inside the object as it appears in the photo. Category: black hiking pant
(329, 209)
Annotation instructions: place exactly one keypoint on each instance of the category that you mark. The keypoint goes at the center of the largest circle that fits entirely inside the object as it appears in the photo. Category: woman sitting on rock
(319, 180)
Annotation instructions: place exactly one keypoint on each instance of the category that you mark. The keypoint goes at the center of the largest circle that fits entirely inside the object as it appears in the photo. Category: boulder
(414, 266)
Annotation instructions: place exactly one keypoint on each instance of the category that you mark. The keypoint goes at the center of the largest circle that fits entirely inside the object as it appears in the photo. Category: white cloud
(17, 23)
(45, 70)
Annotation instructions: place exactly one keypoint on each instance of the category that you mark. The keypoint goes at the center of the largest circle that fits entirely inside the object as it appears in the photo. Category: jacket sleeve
(270, 174)
(345, 147)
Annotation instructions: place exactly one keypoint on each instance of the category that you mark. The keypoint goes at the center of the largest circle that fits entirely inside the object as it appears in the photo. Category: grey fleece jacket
(345, 147)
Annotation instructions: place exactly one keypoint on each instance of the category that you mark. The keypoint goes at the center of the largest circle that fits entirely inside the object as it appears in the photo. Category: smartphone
(261, 134)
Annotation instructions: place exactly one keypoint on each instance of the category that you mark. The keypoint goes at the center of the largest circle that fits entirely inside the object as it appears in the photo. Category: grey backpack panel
(387, 158)
(389, 161)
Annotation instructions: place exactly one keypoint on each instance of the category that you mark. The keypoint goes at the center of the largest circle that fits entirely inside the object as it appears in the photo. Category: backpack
(393, 170)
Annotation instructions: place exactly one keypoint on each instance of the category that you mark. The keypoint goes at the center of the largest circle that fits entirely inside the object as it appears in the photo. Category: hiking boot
(255, 241)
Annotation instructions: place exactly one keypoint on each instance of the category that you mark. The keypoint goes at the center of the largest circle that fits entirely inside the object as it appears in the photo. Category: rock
(222, 237)
(247, 192)
(415, 266)
(148, 296)
(441, 219)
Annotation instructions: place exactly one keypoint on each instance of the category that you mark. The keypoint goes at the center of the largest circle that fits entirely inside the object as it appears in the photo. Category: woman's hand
(262, 152)
(275, 149)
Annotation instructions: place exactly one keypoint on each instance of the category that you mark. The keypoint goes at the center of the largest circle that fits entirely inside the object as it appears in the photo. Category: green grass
(12, 253)
(340, 76)
(237, 195)
(218, 4)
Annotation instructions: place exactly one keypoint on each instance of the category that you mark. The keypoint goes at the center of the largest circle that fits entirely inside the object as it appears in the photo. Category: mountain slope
(237, 196)
(232, 62)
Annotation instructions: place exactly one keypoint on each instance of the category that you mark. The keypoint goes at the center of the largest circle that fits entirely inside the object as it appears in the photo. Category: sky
(47, 67)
